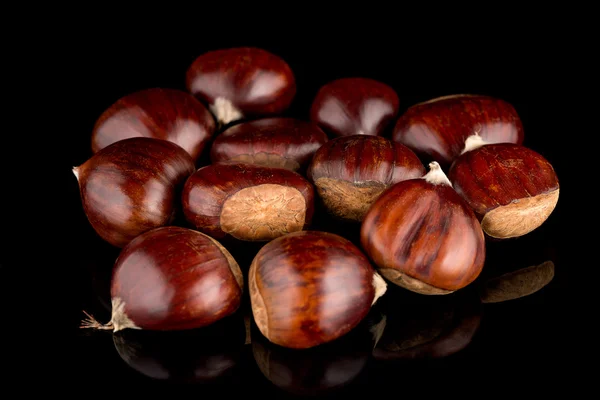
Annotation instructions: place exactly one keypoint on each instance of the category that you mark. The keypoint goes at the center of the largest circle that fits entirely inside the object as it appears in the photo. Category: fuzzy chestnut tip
(473, 142)
(436, 175)
(225, 111)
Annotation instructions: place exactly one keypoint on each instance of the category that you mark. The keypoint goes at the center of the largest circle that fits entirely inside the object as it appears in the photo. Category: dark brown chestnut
(159, 113)
(133, 186)
(247, 202)
(355, 106)
(242, 82)
(273, 142)
(423, 236)
(308, 288)
(172, 278)
(437, 129)
(350, 172)
(512, 189)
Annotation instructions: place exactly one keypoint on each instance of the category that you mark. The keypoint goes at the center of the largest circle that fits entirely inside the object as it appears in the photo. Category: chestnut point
(311, 287)
(278, 142)
(247, 202)
(350, 172)
(423, 236)
(512, 189)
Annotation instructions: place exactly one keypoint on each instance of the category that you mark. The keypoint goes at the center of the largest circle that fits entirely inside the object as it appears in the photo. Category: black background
(525, 344)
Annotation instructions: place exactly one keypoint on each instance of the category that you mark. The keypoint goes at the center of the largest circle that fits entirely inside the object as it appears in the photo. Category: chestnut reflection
(429, 327)
(322, 369)
(195, 356)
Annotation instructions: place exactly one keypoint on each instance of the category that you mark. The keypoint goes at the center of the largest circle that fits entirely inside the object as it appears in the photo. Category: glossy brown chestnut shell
(309, 288)
(133, 186)
(273, 142)
(241, 82)
(423, 236)
(355, 106)
(158, 113)
(437, 129)
(247, 202)
(350, 172)
(512, 189)
(173, 278)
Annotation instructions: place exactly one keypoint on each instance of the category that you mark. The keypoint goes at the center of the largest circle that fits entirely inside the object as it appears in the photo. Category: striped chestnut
(159, 113)
(308, 288)
(512, 189)
(273, 142)
(423, 236)
(172, 278)
(355, 106)
(241, 82)
(350, 172)
(247, 202)
(437, 129)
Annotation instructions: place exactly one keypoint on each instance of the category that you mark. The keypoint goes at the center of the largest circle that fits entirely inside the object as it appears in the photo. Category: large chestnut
(308, 288)
(159, 113)
(355, 106)
(241, 82)
(247, 202)
(350, 172)
(512, 188)
(274, 142)
(172, 278)
(423, 236)
(437, 129)
(133, 186)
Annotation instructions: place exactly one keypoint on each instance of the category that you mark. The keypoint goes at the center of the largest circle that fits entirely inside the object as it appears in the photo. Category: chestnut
(355, 106)
(159, 113)
(437, 129)
(308, 288)
(241, 82)
(172, 278)
(350, 172)
(273, 142)
(512, 189)
(133, 186)
(247, 202)
(423, 236)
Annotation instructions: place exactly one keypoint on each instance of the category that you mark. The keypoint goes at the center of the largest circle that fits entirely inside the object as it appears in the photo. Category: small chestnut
(512, 189)
(159, 113)
(350, 172)
(172, 278)
(241, 82)
(247, 202)
(355, 106)
(308, 288)
(273, 142)
(423, 236)
(133, 186)
(437, 129)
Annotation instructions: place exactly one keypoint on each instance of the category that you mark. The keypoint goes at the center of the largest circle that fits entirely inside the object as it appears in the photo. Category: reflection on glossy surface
(517, 284)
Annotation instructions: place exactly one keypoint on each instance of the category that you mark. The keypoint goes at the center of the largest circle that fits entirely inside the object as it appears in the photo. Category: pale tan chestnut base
(518, 283)
(263, 212)
(347, 200)
(412, 284)
(521, 217)
(268, 160)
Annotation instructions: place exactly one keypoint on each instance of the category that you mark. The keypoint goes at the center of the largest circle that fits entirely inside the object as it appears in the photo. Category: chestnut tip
(224, 111)
(76, 173)
(473, 142)
(436, 175)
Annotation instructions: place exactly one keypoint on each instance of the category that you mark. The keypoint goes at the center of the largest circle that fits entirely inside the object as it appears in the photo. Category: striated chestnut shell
(355, 106)
(511, 188)
(241, 82)
(423, 236)
(174, 278)
(133, 186)
(274, 142)
(351, 172)
(437, 129)
(247, 202)
(308, 288)
(158, 113)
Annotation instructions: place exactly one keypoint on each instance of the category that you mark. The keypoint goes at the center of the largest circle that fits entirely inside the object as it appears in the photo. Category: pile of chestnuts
(179, 178)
